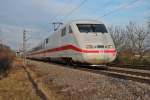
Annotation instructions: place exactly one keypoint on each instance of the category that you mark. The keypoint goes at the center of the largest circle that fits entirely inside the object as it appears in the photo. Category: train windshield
(85, 28)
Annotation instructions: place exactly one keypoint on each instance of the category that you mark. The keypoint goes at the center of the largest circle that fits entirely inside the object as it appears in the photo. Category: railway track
(127, 73)
(142, 67)
(137, 75)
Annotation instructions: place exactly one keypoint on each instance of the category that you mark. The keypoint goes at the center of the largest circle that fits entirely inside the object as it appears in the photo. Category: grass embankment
(14, 82)
(16, 86)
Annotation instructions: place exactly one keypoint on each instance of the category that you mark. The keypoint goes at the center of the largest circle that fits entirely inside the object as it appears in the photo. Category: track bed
(67, 83)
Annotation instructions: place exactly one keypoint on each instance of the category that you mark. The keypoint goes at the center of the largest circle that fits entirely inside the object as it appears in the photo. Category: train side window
(70, 30)
(46, 41)
(63, 32)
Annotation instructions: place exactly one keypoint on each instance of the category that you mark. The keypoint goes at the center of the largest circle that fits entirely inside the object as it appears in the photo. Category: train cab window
(70, 30)
(86, 28)
(46, 40)
(63, 32)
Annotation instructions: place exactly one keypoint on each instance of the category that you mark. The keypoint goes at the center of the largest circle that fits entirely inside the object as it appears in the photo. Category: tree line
(132, 38)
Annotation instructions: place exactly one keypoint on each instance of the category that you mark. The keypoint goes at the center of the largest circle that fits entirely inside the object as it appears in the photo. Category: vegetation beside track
(6, 59)
(131, 60)
(132, 43)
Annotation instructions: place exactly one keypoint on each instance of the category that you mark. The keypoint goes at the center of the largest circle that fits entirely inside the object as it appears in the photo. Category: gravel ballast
(62, 83)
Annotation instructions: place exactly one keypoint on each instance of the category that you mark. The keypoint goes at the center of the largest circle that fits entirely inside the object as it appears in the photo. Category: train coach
(80, 41)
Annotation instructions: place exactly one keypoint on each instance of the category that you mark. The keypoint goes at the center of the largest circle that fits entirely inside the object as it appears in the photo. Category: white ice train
(80, 41)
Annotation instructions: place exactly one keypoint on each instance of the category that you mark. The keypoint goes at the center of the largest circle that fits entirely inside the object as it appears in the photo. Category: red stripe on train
(72, 47)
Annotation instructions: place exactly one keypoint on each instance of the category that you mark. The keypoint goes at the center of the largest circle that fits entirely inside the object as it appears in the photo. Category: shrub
(131, 60)
(6, 58)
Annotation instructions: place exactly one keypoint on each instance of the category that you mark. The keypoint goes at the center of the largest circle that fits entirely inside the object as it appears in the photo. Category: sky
(37, 16)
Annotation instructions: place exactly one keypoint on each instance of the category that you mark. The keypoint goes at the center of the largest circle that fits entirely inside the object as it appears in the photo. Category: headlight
(89, 46)
(109, 46)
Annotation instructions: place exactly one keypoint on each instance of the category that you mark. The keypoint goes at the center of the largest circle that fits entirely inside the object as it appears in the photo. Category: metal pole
(24, 47)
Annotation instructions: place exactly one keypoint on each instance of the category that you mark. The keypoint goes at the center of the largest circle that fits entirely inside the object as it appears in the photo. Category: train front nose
(101, 49)
(101, 57)
(108, 55)
(97, 44)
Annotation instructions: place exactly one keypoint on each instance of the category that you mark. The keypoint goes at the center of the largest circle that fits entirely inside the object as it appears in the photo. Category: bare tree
(142, 43)
(119, 38)
(138, 39)
(130, 31)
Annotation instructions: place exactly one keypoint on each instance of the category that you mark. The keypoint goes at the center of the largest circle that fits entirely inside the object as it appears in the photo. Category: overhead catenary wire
(55, 16)
(106, 14)
(76, 8)
(73, 10)
(120, 8)
(106, 4)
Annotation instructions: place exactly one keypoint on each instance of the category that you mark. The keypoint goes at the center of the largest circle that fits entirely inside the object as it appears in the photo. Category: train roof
(81, 21)
(85, 21)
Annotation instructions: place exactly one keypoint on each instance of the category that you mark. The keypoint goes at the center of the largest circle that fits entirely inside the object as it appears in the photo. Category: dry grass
(17, 86)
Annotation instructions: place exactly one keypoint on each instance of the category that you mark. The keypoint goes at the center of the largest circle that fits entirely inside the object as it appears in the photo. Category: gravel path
(62, 83)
